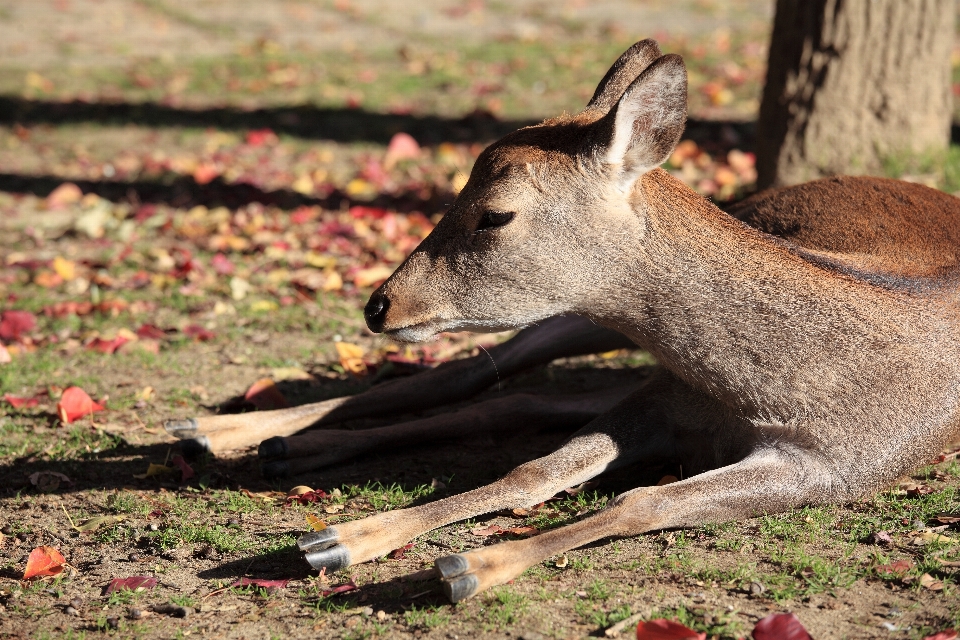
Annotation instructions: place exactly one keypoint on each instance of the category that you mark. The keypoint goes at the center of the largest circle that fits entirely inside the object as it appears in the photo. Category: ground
(234, 190)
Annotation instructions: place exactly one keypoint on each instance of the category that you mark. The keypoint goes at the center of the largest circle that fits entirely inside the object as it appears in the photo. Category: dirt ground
(237, 192)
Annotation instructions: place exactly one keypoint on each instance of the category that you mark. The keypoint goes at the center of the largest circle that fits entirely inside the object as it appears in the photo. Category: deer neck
(732, 311)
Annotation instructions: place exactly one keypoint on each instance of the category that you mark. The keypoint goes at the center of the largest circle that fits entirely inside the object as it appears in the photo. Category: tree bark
(850, 82)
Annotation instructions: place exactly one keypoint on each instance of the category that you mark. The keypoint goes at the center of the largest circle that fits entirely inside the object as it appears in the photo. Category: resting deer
(808, 351)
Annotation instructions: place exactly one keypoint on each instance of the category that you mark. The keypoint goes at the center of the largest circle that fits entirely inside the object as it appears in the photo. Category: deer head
(546, 212)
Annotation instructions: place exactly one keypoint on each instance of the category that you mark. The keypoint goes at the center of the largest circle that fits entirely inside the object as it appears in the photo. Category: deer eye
(494, 219)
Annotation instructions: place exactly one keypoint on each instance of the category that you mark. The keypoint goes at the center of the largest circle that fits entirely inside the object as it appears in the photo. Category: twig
(614, 631)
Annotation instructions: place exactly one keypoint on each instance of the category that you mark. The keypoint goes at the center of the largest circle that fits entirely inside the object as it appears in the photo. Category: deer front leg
(321, 447)
(768, 481)
(454, 381)
(608, 440)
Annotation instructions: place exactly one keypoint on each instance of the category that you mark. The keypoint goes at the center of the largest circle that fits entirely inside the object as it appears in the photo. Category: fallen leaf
(21, 403)
(44, 561)
(880, 538)
(351, 357)
(780, 626)
(402, 147)
(315, 523)
(66, 193)
(561, 561)
(5, 357)
(154, 470)
(259, 137)
(66, 269)
(269, 585)
(398, 554)
(133, 583)
(47, 481)
(667, 480)
(13, 324)
(75, 403)
(307, 498)
(265, 396)
(107, 346)
(949, 634)
(152, 332)
(897, 568)
(299, 490)
(185, 469)
(661, 629)
(371, 276)
(343, 588)
(523, 531)
(930, 537)
(947, 518)
(280, 374)
(929, 582)
(91, 525)
(198, 333)
(333, 508)
(483, 532)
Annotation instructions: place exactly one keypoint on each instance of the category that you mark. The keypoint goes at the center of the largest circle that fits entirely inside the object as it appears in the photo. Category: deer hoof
(316, 540)
(194, 447)
(461, 587)
(275, 447)
(275, 469)
(182, 429)
(333, 558)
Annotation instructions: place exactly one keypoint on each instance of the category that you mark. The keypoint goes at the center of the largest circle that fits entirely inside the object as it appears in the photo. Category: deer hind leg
(454, 381)
(767, 481)
(321, 447)
(607, 441)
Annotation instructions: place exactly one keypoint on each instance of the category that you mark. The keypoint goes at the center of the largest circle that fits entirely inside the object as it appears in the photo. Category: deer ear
(624, 71)
(642, 129)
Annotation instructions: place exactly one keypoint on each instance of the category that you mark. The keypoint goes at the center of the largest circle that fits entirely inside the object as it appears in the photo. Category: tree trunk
(851, 82)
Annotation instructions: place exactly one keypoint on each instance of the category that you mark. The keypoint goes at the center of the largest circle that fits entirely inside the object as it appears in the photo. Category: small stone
(71, 611)
(134, 557)
(367, 611)
(22, 536)
(351, 622)
(135, 614)
(153, 526)
(757, 588)
(113, 622)
(882, 538)
(7, 530)
(381, 615)
(233, 521)
(76, 603)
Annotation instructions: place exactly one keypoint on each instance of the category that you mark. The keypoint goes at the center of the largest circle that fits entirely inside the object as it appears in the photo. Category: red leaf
(132, 583)
(264, 395)
(350, 586)
(949, 634)
(897, 568)
(402, 147)
(780, 626)
(107, 346)
(44, 561)
(661, 629)
(198, 333)
(398, 554)
(185, 468)
(66, 193)
(222, 265)
(75, 403)
(205, 173)
(259, 137)
(20, 403)
(483, 532)
(151, 331)
(257, 582)
(308, 497)
(14, 324)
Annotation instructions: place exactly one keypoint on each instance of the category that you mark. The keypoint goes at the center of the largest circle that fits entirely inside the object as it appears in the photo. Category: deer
(807, 339)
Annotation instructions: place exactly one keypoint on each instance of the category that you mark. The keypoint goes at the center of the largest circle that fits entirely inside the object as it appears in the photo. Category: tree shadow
(184, 191)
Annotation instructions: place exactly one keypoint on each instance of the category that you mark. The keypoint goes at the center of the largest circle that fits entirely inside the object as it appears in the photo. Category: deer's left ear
(642, 129)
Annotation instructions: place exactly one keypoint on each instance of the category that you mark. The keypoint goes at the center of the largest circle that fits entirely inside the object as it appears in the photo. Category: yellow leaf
(264, 305)
(154, 470)
(348, 350)
(333, 282)
(93, 524)
(303, 185)
(458, 182)
(66, 269)
(371, 276)
(315, 523)
(320, 261)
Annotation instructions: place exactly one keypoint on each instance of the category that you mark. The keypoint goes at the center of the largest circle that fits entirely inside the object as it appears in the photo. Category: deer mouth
(423, 331)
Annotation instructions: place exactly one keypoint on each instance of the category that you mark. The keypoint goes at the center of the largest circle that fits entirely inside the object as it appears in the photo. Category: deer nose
(376, 311)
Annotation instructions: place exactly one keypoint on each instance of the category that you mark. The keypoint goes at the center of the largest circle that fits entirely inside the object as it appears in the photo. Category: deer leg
(321, 447)
(609, 440)
(450, 382)
(770, 480)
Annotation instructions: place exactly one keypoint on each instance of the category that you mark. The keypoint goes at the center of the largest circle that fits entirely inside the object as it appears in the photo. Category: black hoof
(318, 539)
(275, 469)
(275, 447)
(451, 566)
(336, 557)
(460, 588)
(182, 429)
(195, 447)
